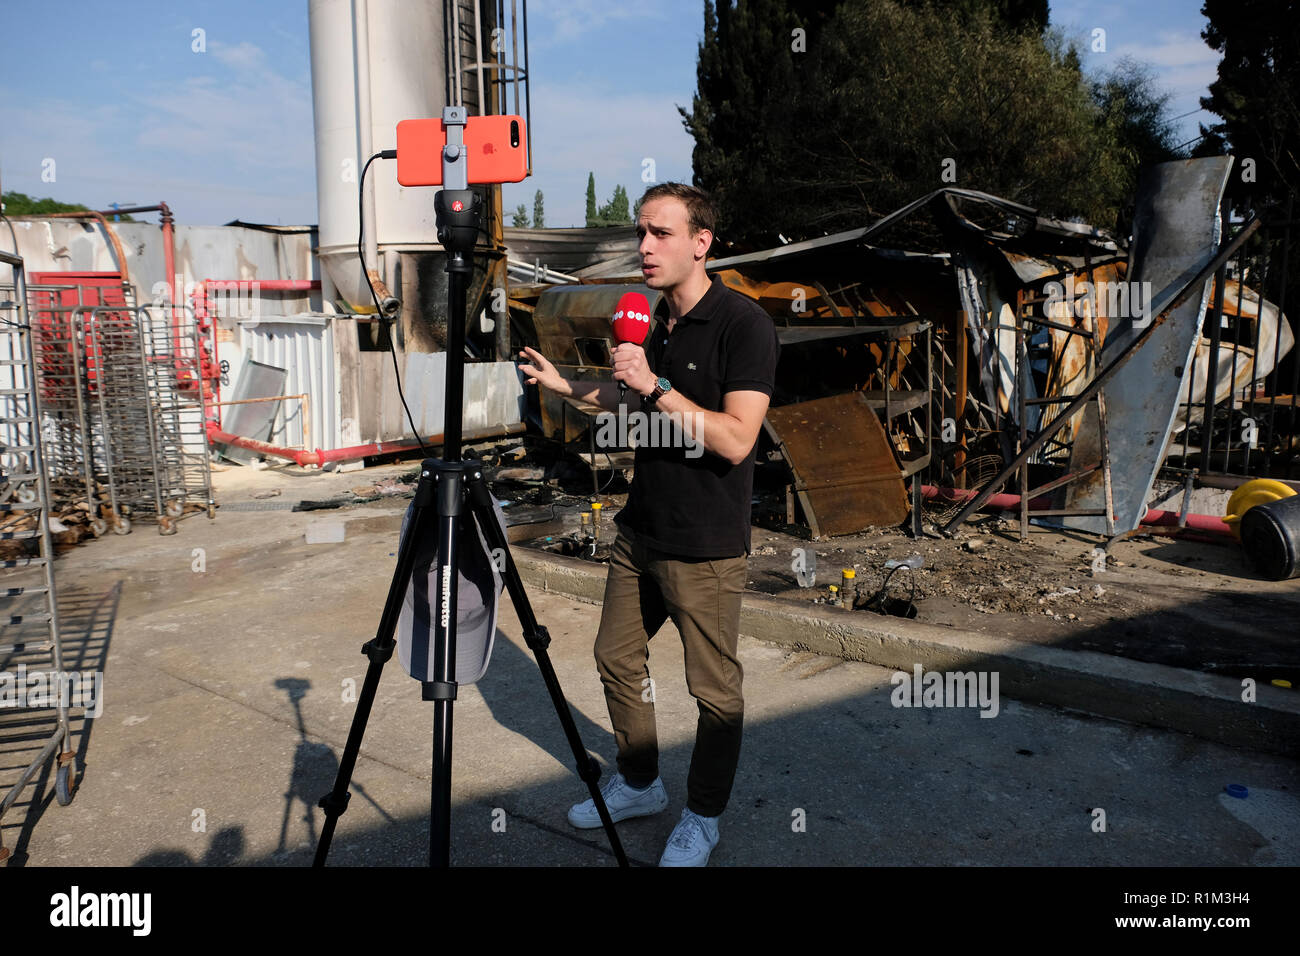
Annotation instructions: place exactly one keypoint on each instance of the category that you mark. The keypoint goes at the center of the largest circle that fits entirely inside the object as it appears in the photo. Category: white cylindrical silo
(406, 79)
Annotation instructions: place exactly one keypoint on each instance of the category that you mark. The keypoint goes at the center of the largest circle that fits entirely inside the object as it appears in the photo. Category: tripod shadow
(515, 694)
(315, 768)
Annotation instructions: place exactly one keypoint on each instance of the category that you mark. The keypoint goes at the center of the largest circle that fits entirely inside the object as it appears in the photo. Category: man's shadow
(225, 849)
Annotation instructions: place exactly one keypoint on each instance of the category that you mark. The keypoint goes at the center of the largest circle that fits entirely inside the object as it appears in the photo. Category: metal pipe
(169, 265)
(478, 58)
(514, 59)
(1212, 371)
(457, 92)
(528, 95)
(205, 321)
(1153, 517)
(353, 453)
(361, 34)
(304, 405)
(269, 285)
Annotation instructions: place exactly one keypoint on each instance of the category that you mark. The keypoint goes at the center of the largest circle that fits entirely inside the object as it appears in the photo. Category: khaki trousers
(644, 587)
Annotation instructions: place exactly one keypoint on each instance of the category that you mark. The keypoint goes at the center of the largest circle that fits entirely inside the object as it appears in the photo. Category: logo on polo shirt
(691, 366)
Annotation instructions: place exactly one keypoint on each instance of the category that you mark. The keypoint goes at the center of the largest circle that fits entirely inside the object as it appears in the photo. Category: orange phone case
(498, 148)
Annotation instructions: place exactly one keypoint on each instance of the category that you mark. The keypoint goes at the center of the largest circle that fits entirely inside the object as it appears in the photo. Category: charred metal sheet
(574, 331)
(946, 202)
(1176, 233)
(845, 472)
(574, 250)
(1239, 302)
(987, 312)
(1071, 364)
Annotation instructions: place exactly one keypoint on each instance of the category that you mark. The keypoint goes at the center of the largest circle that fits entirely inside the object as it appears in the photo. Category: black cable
(911, 578)
(361, 226)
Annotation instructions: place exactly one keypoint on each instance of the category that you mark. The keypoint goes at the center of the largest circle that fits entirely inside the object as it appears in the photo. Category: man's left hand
(630, 366)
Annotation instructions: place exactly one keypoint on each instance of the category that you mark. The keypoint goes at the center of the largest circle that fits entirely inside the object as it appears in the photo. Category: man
(684, 534)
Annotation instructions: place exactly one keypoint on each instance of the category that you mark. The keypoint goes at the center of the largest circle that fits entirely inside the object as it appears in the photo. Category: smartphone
(498, 150)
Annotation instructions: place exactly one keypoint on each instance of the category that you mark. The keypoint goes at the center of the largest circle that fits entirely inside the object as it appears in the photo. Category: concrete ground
(231, 657)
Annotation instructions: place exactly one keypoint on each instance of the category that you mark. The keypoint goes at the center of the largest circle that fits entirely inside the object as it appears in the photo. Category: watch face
(666, 385)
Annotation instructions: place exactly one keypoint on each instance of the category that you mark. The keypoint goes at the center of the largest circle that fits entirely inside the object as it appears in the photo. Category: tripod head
(457, 207)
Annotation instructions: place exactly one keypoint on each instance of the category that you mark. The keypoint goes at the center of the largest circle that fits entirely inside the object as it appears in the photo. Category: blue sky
(128, 112)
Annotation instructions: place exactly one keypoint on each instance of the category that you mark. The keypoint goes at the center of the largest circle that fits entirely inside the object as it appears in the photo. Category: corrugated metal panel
(302, 345)
(493, 393)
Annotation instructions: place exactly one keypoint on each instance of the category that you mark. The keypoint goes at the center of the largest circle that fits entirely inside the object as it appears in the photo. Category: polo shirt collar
(709, 303)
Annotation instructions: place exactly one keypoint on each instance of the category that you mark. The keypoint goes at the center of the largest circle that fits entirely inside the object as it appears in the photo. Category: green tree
(539, 213)
(591, 200)
(20, 204)
(1257, 92)
(1136, 113)
(521, 217)
(1007, 14)
(615, 212)
(924, 95)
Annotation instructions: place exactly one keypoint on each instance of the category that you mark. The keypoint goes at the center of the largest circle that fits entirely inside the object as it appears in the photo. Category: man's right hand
(541, 372)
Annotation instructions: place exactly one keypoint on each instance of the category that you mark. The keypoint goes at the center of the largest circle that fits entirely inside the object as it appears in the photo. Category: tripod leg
(442, 689)
(538, 640)
(379, 650)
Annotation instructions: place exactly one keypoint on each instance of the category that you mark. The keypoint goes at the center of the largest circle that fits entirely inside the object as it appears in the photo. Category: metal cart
(172, 358)
(68, 441)
(29, 619)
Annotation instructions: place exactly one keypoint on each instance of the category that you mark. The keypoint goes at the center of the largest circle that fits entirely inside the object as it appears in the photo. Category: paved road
(226, 709)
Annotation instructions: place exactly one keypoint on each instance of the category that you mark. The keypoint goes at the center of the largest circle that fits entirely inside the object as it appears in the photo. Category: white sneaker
(692, 841)
(623, 802)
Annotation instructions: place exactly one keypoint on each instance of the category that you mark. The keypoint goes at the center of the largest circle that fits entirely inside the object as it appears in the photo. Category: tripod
(446, 488)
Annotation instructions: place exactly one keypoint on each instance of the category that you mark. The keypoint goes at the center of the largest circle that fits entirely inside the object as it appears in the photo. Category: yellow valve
(1257, 492)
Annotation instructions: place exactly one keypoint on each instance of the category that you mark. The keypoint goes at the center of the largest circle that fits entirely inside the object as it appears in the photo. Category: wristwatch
(662, 387)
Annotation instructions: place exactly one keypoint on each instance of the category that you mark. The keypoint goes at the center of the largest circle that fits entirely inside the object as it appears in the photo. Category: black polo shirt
(693, 502)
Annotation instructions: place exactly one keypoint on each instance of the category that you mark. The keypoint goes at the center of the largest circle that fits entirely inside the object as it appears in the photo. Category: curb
(1154, 695)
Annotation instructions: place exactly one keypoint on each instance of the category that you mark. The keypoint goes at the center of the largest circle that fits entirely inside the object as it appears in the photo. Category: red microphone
(631, 324)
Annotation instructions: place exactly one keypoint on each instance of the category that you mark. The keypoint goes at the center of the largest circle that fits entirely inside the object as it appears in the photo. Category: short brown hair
(700, 212)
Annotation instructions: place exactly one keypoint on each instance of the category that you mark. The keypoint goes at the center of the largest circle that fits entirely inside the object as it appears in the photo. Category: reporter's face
(669, 251)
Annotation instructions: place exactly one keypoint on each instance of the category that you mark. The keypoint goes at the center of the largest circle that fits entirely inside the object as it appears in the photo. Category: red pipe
(169, 272)
(318, 457)
(1210, 523)
(209, 368)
